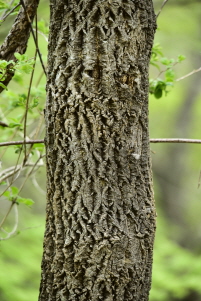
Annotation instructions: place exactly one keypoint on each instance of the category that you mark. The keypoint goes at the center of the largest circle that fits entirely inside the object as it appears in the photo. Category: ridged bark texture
(100, 209)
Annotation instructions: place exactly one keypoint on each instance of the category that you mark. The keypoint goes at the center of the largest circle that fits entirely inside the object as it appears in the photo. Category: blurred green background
(176, 170)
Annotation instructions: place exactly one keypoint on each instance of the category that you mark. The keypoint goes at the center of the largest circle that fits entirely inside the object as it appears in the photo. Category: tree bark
(100, 209)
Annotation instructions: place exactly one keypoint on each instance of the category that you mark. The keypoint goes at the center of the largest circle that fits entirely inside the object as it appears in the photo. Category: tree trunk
(100, 208)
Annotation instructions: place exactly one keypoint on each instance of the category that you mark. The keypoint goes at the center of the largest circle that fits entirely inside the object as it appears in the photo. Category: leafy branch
(165, 66)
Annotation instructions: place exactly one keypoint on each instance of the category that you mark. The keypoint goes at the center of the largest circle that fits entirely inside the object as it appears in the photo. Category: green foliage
(159, 86)
(20, 261)
(15, 122)
(23, 65)
(6, 7)
(3, 5)
(4, 68)
(12, 196)
(43, 27)
(176, 271)
(21, 107)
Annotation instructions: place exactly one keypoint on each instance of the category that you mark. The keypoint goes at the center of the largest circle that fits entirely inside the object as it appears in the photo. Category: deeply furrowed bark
(100, 209)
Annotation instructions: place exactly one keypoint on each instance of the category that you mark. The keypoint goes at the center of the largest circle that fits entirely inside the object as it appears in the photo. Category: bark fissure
(100, 210)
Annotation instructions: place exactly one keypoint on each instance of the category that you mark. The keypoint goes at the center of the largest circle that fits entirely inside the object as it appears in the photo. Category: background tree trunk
(100, 209)
(18, 36)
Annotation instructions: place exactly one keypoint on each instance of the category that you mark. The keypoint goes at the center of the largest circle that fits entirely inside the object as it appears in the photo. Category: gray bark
(100, 208)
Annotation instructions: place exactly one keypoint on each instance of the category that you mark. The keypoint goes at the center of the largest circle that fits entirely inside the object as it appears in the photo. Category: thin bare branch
(6, 11)
(30, 172)
(164, 2)
(199, 180)
(10, 12)
(7, 173)
(13, 231)
(189, 74)
(7, 214)
(175, 140)
(21, 142)
(34, 37)
(27, 105)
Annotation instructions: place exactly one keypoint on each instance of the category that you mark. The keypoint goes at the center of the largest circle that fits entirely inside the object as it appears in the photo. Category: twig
(21, 142)
(7, 173)
(30, 172)
(153, 140)
(199, 180)
(189, 74)
(15, 225)
(35, 183)
(27, 105)
(175, 140)
(164, 2)
(4, 13)
(7, 214)
(34, 37)
(10, 12)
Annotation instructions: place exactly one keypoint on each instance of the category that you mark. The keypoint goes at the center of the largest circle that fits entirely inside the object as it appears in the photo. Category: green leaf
(14, 124)
(18, 149)
(169, 75)
(3, 5)
(13, 197)
(7, 193)
(167, 62)
(20, 57)
(14, 190)
(3, 183)
(158, 93)
(3, 64)
(34, 103)
(42, 26)
(3, 86)
(155, 65)
(156, 50)
(39, 146)
(26, 68)
(157, 87)
(181, 58)
(27, 202)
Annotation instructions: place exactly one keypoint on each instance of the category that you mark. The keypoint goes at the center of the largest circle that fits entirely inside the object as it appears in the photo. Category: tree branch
(21, 142)
(13, 231)
(153, 140)
(189, 74)
(164, 2)
(17, 38)
(34, 37)
(10, 12)
(175, 140)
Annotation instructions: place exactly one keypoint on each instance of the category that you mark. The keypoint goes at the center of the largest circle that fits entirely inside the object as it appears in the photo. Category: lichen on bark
(100, 208)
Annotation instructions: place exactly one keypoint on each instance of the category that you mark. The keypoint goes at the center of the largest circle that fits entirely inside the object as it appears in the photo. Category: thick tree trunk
(100, 209)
